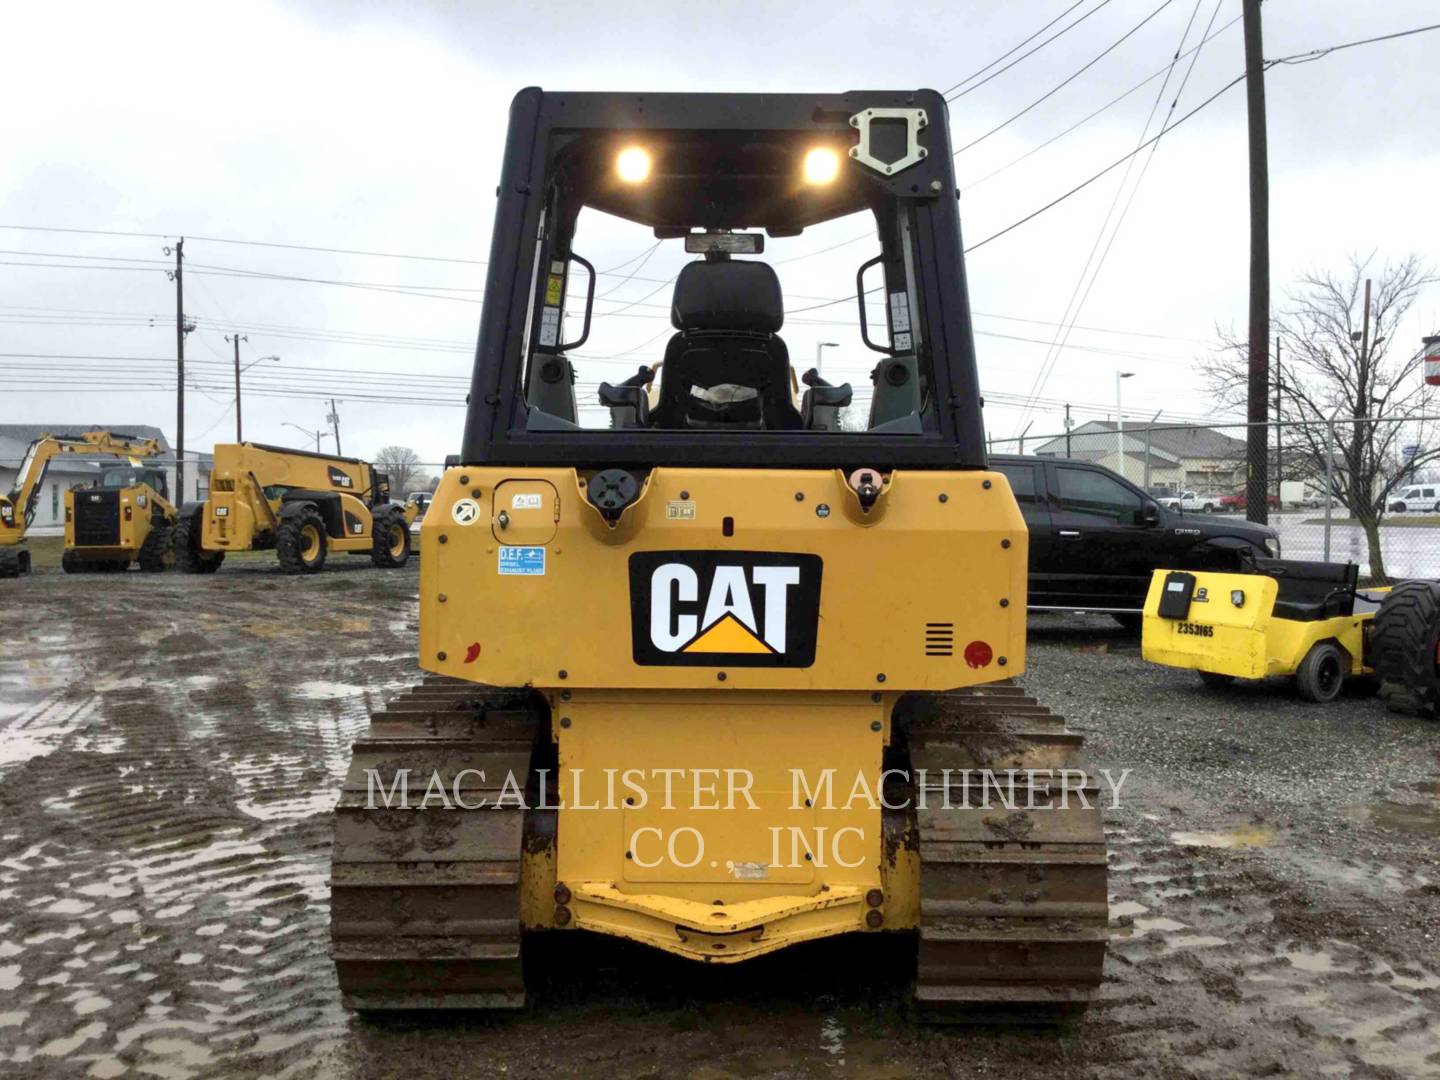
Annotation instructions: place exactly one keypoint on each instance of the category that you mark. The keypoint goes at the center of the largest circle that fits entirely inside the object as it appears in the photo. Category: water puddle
(1243, 836)
(326, 691)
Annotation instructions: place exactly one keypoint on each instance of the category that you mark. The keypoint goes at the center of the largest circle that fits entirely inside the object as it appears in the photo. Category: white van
(1425, 497)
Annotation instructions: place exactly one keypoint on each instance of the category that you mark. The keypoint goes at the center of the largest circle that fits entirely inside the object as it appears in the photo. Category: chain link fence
(1347, 489)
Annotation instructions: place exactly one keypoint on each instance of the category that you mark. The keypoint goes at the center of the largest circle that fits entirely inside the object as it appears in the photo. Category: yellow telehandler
(713, 671)
(17, 508)
(303, 505)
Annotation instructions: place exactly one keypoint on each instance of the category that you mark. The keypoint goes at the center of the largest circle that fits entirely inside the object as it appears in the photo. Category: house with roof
(66, 471)
(1167, 458)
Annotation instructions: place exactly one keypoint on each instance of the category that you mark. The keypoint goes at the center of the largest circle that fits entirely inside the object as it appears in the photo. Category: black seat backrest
(1311, 590)
(727, 314)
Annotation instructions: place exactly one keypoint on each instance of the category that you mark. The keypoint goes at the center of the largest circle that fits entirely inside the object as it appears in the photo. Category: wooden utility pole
(179, 496)
(237, 338)
(334, 419)
(1258, 398)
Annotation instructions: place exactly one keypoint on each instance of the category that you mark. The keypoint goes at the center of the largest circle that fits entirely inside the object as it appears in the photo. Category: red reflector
(127, 513)
(978, 654)
(472, 653)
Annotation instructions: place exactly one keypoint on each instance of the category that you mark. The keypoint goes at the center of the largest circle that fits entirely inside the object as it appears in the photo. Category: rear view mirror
(1150, 514)
(725, 243)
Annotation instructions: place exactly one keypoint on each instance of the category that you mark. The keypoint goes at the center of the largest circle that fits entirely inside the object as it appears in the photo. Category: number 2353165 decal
(1197, 629)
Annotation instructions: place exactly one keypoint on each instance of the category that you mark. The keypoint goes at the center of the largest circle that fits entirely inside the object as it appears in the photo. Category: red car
(1237, 501)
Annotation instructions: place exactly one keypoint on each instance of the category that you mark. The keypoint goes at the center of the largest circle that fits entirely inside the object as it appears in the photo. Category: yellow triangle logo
(728, 635)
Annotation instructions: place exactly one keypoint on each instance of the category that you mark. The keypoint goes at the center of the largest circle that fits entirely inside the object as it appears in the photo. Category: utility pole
(237, 339)
(180, 369)
(1067, 429)
(334, 419)
(1257, 403)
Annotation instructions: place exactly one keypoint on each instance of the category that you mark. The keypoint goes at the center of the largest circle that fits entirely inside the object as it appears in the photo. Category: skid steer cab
(125, 516)
(1305, 620)
(302, 505)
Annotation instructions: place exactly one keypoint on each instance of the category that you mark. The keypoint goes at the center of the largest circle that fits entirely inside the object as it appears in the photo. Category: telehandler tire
(391, 538)
(157, 553)
(1321, 675)
(1403, 644)
(190, 557)
(301, 543)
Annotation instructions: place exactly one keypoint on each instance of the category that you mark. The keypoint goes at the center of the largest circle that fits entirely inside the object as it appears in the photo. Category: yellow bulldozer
(303, 505)
(712, 671)
(111, 524)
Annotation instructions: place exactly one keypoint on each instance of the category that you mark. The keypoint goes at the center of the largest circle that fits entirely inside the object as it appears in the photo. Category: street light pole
(1120, 423)
(311, 433)
(238, 369)
(820, 347)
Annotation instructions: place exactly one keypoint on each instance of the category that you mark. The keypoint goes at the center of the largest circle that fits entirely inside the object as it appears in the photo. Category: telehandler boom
(17, 508)
(715, 669)
(304, 505)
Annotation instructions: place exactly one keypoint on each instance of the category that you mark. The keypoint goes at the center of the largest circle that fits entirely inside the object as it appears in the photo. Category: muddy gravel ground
(170, 748)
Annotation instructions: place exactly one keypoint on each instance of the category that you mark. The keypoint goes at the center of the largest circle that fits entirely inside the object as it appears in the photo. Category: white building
(75, 471)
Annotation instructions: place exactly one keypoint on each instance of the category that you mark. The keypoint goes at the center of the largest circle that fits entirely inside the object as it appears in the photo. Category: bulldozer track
(425, 905)
(1013, 902)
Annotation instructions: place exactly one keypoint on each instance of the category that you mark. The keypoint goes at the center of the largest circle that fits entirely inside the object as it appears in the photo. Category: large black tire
(301, 543)
(1321, 675)
(190, 558)
(157, 553)
(1403, 643)
(390, 538)
(72, 563)
(14, 561)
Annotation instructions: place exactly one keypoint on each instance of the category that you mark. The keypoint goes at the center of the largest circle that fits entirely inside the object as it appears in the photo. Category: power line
(1102, 109)
(1081, 292)
(1316, 54)
(1070, 78)
(1108, 168)
(1013, 50)
(1059, 33)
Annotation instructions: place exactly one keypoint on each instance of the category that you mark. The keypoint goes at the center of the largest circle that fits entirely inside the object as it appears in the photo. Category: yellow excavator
(303, 505)
(712, 671)
(17, 508)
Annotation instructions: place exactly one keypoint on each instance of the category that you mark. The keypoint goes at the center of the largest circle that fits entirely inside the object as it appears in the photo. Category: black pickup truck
(1095, 538)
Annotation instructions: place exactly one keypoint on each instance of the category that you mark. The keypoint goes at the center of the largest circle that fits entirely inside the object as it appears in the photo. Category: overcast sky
(379, 128)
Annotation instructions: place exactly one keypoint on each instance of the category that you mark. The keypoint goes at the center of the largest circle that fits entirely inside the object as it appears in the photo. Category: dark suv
(1095, 538)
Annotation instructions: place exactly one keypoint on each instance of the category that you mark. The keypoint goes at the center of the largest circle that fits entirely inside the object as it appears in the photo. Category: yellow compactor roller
(303, 505)
(717, 668)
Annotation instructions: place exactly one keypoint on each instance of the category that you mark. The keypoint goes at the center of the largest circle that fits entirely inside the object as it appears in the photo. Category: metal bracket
(915, 122)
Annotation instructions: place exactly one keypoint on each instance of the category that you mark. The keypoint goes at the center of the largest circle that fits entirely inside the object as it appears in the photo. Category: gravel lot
(170, 748)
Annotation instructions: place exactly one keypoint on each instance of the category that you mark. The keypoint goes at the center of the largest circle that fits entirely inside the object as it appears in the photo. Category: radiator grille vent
(939, 639)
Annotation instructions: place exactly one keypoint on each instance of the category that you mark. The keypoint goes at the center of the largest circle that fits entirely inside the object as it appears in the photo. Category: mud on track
(170, 748)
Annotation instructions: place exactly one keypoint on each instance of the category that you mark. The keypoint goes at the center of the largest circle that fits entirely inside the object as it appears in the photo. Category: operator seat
(726, 367)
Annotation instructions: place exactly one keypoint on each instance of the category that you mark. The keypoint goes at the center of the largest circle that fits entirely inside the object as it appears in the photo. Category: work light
(822, 165)
(633, 165)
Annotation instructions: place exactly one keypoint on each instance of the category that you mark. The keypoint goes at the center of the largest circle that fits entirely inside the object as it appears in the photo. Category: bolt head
(562, 893)
(874, 898)
(562, 916)
(873, 919)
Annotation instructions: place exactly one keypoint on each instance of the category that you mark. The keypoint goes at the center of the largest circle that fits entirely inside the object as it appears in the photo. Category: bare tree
(401, 464)
(1331, 365)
